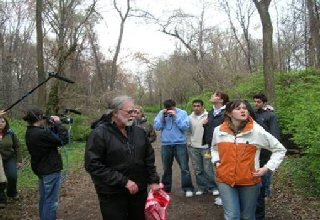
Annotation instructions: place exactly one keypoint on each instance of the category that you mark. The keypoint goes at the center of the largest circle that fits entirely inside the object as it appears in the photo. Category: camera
(166, 114)
(65, 119)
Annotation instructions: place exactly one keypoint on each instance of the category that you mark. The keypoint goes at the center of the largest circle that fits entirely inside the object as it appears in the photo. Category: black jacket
(112, 159)
(43, 146)
(213, 122)
(268, 121)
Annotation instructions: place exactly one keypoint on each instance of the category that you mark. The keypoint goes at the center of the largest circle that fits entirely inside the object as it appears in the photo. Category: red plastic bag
(157, 205)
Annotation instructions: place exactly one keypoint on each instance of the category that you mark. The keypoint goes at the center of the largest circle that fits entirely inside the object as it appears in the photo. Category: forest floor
(78, 201)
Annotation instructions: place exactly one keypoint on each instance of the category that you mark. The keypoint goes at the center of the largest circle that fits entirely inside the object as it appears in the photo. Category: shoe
(189, 194)
(215, 192)
(13, 199)
(218, 201)
(199, 193)
(2, 205)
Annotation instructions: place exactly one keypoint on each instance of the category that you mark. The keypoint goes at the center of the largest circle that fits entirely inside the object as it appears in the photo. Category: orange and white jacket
(239, 154)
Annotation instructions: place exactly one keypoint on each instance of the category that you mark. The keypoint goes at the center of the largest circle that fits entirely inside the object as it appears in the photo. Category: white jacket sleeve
(278, 150)
(214, 148)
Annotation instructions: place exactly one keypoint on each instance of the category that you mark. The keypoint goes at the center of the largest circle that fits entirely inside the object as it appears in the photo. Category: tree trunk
(314, 27)
(267, 31)
(42, 94)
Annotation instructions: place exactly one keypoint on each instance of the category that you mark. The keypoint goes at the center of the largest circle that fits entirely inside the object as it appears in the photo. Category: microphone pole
(40, 84)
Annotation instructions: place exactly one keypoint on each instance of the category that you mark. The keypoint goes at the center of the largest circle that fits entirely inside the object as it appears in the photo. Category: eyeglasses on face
(130, 111)
(196, 105)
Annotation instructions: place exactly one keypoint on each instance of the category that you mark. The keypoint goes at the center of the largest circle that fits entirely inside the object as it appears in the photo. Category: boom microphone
(55, 75)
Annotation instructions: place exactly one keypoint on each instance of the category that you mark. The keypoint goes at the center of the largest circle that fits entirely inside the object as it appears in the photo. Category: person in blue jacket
(174, 124)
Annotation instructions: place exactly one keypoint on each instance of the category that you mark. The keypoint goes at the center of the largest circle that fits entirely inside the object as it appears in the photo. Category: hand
(19, 165)
(132, 187)
(260, 171)
(55, 119)
(171, 112)
(2, 112)
(205, 121)
(156, 186)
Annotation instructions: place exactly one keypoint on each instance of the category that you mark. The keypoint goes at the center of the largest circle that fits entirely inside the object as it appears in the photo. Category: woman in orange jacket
(236, 146)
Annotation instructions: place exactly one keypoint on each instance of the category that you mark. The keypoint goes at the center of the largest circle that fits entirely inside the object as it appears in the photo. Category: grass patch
(295, 172)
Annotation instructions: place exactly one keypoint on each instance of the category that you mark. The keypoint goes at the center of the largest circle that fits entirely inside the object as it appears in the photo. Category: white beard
(129, 123)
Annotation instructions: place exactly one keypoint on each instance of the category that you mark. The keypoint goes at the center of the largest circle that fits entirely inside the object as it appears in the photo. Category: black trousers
(123, 206)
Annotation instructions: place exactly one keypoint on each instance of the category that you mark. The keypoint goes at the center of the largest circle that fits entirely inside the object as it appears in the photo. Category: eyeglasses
(196, 105)
(129, 111)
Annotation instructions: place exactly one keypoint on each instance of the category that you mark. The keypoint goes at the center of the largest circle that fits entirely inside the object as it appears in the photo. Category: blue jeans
(264, 192)
(10, 169)
(203, 169)
(49, 186)
(168, 153)
(239, 202)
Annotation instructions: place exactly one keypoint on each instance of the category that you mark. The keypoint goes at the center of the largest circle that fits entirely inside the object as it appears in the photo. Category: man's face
(197, 108)
(215, 99)
(258, 103)
(126, 114)
(138, 114)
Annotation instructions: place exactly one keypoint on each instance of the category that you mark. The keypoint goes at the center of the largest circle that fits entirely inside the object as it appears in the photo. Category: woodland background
(41, 36)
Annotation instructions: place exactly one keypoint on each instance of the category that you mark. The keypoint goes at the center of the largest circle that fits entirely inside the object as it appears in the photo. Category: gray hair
(118, 102)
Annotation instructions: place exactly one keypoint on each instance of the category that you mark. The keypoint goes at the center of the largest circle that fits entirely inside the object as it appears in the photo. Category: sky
(146, 38)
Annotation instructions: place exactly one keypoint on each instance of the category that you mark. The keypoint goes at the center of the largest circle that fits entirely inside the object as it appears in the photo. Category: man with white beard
(120, 160)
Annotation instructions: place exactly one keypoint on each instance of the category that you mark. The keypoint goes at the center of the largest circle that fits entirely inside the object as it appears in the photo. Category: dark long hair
(7, 127)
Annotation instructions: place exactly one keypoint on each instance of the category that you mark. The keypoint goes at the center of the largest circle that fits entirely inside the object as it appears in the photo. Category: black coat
(213, 122)
(268, 121)
(43, 146)
(112, 159)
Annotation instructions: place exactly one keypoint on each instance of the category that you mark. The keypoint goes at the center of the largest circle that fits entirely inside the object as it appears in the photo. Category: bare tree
(123, 16)
(67, 22)
(267, 30)
(243, 13)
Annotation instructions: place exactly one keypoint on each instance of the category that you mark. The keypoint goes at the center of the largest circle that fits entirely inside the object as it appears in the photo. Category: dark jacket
(10, 146)
(148, 128)
(213, 122)
(43, 146)
(268, 121)
(112, 159)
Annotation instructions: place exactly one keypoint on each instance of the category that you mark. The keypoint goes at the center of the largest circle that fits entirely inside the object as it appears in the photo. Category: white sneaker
(189, 194)
(218, 201)
(199, 193)
(215, 192)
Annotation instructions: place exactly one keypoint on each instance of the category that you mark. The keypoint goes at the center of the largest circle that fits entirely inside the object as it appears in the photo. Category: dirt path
(78, 201)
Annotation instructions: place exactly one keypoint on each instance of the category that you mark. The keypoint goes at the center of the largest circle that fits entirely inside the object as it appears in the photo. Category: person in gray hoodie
(199, 151)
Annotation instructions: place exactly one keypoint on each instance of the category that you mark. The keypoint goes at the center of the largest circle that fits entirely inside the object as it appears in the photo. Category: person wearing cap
(46, 161)
(121, 162)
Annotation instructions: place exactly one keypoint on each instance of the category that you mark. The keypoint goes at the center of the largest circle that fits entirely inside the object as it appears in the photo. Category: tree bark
(267, 30)
(314, 28)
(42, 94)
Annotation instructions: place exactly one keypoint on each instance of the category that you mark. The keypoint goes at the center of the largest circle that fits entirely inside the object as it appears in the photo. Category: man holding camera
(46, 161)
(174, 123)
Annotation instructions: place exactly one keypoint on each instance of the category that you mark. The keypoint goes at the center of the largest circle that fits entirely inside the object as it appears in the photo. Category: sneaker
(215, 192)
(189, 194)
(199, 193)
(218, 201)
